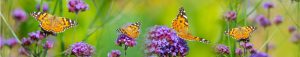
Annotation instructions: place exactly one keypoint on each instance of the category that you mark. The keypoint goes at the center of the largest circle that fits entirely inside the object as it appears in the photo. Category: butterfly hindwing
(241, 32)
(131, 30)
(52, 23)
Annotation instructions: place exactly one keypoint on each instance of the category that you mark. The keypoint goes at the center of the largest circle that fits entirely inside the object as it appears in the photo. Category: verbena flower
(252, 51)
(278, 20)
(259, 54)
(292, 29)
(263, 21)
(26, 41)
(246, 45)
(268, 5)
(77, 5)
(114, 53)
(238, 51)
(19, 15)
(82, 49)
(125, 40)
(49, 44)
(45, 7)
(295, 37)
(38, 35)
(230, 16)
(222, 49)
(164, 42)
(11, 42)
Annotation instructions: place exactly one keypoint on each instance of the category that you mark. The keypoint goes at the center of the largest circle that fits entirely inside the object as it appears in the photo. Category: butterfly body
(241, 33)
(52, 23)
(131, 30)
(180, 25)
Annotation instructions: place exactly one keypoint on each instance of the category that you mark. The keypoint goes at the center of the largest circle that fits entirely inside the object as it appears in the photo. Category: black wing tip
(205, 41)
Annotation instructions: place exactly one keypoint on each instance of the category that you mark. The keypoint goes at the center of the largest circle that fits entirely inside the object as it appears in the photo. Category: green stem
(11, 30)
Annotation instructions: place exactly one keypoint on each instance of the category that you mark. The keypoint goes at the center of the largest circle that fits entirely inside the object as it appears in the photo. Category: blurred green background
(103, 17)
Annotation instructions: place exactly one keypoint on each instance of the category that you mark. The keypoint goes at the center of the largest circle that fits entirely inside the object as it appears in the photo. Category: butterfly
(180, 25)
(241, 33)
(132, 30)
(53, 24)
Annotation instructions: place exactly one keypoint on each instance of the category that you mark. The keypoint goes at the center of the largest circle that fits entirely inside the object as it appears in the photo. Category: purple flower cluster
(263, 21)
(268, 5)
(238, 51)
(292, 29)
(77, 5)
(126, 40)
(19, 15)
(114, 53)
(222, 49)
(164, 42)
(231, 15)
(11, 42)
(259, 54)
(49, 44)
(1, 42)
(278, 19)
(246, 45)
(295, 37)
(82, 49)
(45, 7)
(23, 51)
(38, 35)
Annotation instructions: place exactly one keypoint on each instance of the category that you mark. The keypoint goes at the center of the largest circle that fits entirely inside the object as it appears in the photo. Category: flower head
(164, 41)
(238, 51)
(77, 5)
(114, 53)
(82, 49)
(11, 42)
(45, 7)
(278, 20)
(263, 21)
(38, 35)
(222, 49)
(295, 37)
(246, 45)
(126, 40)
(49, 44)
(268, 5)
(1, 42)
(19, 15)
(23, 51)
(292, 29)
(26, 41)
(231, 15)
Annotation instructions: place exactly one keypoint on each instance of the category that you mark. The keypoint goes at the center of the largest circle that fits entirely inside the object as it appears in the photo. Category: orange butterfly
(180, 25)
(241, 33)
(131, 30)
(53, 24)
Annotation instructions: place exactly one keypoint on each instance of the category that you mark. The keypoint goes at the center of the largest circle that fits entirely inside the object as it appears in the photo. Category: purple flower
(23, 51)
(19, 15)
(26, 41)
(259, 54)
(164, 42)
(76, 6)
(45, 7)
(38, 35)
(238, 51)
(252, 51)
(11, 42)
(222, 49)
(126, 40)
(292, 29)
(82, 49)
(246, 45)
(231, 15)
(268, 5)
(295, 37)
(114, 53)
(263, 21)
(49, 44)
(278, 20)
(1, 42)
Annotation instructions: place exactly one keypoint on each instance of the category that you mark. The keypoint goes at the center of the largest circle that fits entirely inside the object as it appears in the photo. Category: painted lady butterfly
(53, 24)
(180, 25)
(131, 30)
(241, 33)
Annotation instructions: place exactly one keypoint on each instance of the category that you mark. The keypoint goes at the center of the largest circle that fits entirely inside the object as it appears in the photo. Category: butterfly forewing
(241, 32)
(131, 30)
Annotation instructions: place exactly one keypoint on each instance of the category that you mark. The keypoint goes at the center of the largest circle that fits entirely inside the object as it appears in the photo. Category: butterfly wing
(52, 23)
(131, 30)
